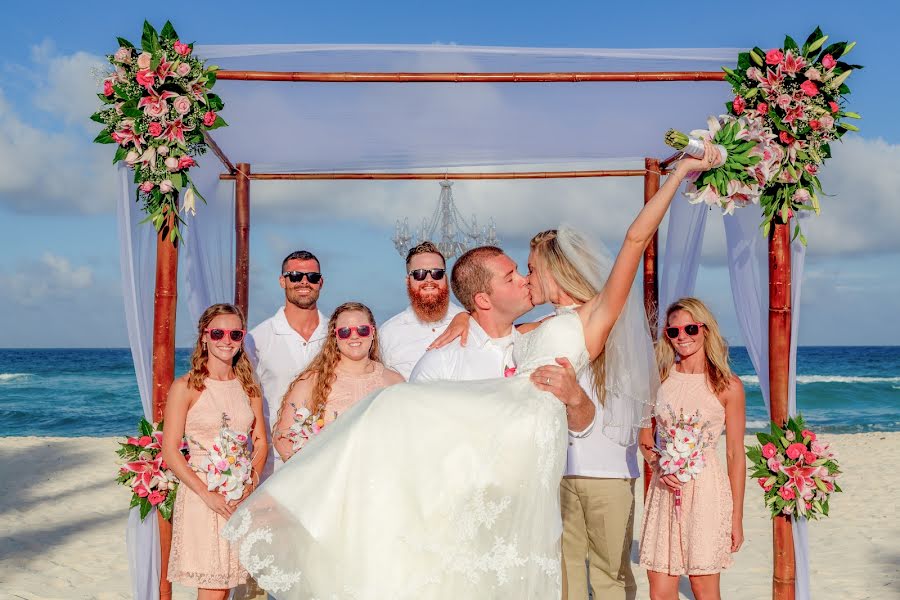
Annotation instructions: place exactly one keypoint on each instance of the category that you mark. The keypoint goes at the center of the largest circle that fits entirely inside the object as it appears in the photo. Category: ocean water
(93, 392)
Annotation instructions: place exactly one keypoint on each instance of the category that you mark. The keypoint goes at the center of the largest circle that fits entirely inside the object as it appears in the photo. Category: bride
(444, 490)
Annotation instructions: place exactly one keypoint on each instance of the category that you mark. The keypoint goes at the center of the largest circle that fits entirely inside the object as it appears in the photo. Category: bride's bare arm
(599, 314)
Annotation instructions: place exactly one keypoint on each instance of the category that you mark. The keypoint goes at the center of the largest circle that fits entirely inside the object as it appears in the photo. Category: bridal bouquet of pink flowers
(227, 464)
(157, 104)
(305, 426)
(680, 447)
(143, 470)
(795, 469)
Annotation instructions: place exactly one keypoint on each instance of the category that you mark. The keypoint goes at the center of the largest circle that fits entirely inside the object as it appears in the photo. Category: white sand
(62, 519)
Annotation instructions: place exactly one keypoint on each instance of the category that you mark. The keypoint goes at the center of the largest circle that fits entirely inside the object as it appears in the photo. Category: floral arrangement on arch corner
(795, 469)
(157, 105)
(789, 105)
(143, 470)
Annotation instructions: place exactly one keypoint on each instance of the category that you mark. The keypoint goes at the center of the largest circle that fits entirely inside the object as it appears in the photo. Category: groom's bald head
(471, 274)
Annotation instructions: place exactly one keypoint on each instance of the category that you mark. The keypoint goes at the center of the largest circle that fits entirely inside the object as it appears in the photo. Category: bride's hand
(458, 328)
(711, 157)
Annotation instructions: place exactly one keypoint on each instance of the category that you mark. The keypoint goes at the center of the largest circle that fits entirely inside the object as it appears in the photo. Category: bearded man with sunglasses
(405, 337)
(284, 344)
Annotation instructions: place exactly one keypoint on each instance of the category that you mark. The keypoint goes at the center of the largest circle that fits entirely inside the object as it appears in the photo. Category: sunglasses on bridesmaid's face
(344, 333)
(217, 334)
(691, 329)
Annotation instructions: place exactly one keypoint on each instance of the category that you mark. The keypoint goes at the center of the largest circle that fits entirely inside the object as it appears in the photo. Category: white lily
(190, 202)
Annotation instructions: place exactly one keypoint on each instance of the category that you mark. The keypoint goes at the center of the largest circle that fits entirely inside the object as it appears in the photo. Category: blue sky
(59, 252)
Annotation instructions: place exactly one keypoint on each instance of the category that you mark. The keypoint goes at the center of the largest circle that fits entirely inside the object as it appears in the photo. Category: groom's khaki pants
(598, 522)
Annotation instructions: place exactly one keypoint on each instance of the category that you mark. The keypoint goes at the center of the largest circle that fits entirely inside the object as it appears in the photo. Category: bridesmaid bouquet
(305, 426)
(227, 465)
(795, 469)
(680, 447)
(143, 470)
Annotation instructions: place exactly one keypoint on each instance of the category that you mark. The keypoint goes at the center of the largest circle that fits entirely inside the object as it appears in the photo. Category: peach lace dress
(700, 543)
(200, 556)
(348, 389)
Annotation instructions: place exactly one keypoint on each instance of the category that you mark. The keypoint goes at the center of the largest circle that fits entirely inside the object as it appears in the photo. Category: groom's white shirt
(483, 357)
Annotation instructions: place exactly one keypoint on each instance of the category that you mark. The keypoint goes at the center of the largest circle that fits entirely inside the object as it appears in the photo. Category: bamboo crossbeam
(439, 176)
(547, 77)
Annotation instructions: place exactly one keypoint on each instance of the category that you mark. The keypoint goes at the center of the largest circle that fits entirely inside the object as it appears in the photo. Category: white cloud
(68, 84)
(35, 282)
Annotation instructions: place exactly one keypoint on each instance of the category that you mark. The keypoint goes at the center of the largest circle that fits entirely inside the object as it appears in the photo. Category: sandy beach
(63, 523)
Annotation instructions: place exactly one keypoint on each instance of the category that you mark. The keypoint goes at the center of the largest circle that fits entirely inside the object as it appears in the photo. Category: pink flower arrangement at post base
(795, 469)
(157, 104)
(144, 471)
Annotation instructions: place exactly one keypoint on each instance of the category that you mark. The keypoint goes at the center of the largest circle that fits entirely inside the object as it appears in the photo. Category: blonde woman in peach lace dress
(345, 371)
(700, 543)
(220, 382)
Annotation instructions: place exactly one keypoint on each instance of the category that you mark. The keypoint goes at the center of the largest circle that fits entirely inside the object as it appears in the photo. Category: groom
(488, 284)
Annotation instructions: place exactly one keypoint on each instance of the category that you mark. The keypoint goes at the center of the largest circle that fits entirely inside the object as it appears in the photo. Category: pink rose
(172, 163)
(166, 186)
(814, 124)
(144, 60)
(154, 129)
(140, 490)
(739, 105)
(145, 78)
(794, 451)
(186, 162)
(147, 187)
(123, 55)
(809, 457)
(817, 447)
(108, 88)
(812, 170)
(783, 100)
(774, 56)
(787, 140)
(769, 450)
(801, 196)
(182, 105)
(809, 88)
(182, 49)
(154, 110)
(833, 106)
(806, 433)
(155, 498)
(183, 70)
(762, 108)
(828, 61)
(774, 464)
(813, 74)
(786, 493)
(132, 440)
(144, 440)
(827, 121)
(209, 118)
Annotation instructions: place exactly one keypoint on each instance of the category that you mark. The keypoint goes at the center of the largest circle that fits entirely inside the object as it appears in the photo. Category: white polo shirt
(278, 354)
(482, 357)
(403, 338)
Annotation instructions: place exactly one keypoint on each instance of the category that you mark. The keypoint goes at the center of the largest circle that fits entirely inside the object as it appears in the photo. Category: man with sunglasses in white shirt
(404, 338)
(284, 344)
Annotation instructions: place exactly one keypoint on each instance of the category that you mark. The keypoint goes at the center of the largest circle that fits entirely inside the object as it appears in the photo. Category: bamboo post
(164, 303)
(779, 373)
(242, 237)
(651, 276)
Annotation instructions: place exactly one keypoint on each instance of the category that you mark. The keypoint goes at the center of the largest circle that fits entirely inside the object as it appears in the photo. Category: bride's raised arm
(599, 314)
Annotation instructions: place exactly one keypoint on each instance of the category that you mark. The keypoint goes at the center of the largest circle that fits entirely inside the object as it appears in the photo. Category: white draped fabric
(748, 270)
(137, 260)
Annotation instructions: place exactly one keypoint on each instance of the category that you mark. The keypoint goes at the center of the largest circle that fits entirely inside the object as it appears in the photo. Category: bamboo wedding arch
(241, 173)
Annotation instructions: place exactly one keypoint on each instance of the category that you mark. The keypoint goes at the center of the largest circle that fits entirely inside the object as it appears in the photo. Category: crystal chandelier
(447, 228)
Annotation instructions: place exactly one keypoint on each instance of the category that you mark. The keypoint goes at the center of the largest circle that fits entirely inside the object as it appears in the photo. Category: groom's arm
(580, 410)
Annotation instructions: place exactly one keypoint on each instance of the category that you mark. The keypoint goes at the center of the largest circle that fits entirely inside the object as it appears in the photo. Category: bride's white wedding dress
(423, 491)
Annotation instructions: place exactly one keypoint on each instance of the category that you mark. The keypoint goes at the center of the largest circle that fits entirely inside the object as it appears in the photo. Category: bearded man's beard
(302, 301)
(431, 307)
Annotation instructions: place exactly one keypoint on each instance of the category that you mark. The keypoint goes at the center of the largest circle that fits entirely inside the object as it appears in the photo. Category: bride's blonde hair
(546, 247)
(718, 371)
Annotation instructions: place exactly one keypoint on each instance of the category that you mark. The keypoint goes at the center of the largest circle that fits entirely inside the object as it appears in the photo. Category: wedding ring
(548, 381)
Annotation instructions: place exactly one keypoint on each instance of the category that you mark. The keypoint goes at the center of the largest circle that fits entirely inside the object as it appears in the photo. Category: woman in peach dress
(219, 385)
(700, 542)
(345, 371)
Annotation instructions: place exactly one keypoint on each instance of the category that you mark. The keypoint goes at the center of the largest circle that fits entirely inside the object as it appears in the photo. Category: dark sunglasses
(344, 333)
(297, 276)
(215, 335)
(690, 329)
(421, 274)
